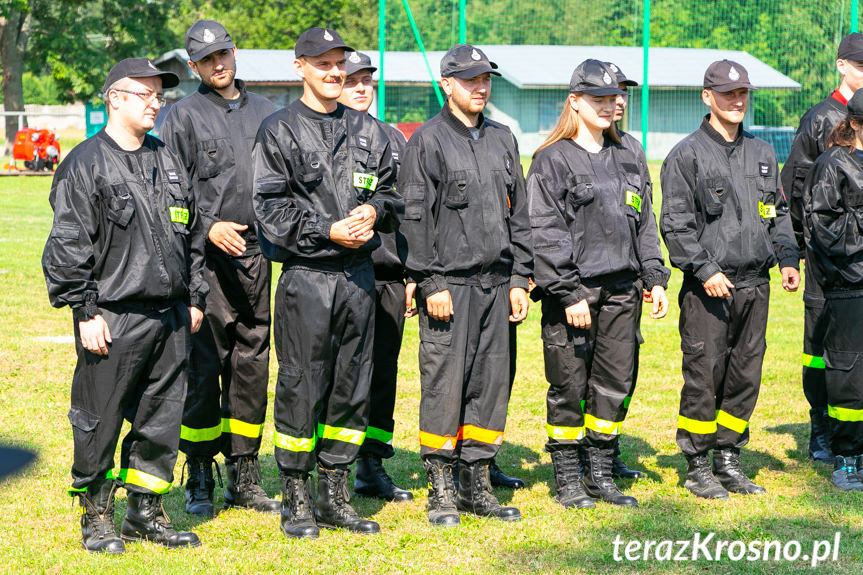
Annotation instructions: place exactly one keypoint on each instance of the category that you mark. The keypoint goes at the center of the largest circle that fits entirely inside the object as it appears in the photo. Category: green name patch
(179, 215)
(766, 210)
(634, 200)
(365, 181)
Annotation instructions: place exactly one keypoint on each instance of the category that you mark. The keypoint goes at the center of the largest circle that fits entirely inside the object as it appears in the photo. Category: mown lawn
(40, 531)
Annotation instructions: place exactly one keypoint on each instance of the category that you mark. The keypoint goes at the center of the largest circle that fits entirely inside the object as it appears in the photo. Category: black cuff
(87, 311)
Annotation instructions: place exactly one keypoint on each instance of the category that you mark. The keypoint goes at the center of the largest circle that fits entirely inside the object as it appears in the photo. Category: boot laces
(442, 482)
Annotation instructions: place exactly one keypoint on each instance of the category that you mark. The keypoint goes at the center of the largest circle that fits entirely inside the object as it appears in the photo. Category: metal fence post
(462, 22)
(645, 89)
(382, 48)
(854, 14)
(423, 50)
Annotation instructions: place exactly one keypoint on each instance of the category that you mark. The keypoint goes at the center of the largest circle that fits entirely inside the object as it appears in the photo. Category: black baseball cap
(595, 78)
(206, 37)
(621, 77)
(465, 61)
(315, 41)
(855, 104)
(851, 47)
(139, 68)
(725, 76)
(356, 61)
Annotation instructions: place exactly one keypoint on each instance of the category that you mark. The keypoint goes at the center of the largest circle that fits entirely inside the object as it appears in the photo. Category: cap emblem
(149, 63)
(606, 78)
(354, 57)
(733, 74)
(614, 68)
(327, 36)
(475, 55)
(208, 36)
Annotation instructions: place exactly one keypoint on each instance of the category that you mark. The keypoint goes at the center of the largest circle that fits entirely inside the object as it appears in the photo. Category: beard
(221, 83)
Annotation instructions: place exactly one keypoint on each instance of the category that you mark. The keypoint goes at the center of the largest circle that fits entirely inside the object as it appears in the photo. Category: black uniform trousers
(843, 356)
(142, 380)
(723, 342)
(814, 328)
(389, 327)
(465, 374)
(590, 372)
(233, 344)
(324, 321)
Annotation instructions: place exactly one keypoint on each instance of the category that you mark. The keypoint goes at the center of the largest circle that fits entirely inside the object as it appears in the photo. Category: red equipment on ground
(39, 149)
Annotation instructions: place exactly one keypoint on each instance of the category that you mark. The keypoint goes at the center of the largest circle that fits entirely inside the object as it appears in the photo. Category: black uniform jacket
(214, 138)
(390, 257)
(592, 217)
(125, 229)
(723, 209)
(810, 141)
(833, 207)
(466, 216)
(311, 170)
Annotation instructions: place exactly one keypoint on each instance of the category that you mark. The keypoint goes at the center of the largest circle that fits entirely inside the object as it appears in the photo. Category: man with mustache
(213, 130)
(725, 222)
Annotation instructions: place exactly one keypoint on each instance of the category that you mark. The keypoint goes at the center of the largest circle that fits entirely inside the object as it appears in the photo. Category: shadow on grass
(800, 433)
(752, 462)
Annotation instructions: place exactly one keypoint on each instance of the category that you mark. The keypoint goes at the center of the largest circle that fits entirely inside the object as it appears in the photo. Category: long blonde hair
(567, 127)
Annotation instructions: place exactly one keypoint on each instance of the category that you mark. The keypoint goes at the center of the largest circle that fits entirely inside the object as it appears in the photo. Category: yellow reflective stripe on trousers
(145, 480)
(559, 432)
(379, 435)
(696, 426)
(727, 420)
(291, 443)
(237, 427)
(813, 361)
(200, 435)
(602, 425)
(341, 434)
(845, 414)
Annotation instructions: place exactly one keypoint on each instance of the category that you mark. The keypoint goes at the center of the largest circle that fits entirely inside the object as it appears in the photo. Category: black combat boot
(200, 485)
(726, 465)
(568, 473)
(501, 479)
(475, 496)
(819, 435)
(442, 511)
(372, 480)
(332, 509)
(98, 534)
(700, 479)
(597, 479)
(146, 520)
(244, 486)
(619, 470)
(298, 507)
(845, 473)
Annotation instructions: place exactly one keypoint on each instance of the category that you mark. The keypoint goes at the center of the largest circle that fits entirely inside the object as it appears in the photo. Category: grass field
(40, 532)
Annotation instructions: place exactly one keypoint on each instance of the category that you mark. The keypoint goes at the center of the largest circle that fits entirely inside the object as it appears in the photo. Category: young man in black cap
(324, 183)
(469, 254)
(213, 131)
(725, 222)
(810, 141)
(372, 479)
(126, 254)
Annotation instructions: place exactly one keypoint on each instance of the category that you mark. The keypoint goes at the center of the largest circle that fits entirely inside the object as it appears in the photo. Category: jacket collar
(300, 108)
(217, 99)
(457, 124)
(717, 137)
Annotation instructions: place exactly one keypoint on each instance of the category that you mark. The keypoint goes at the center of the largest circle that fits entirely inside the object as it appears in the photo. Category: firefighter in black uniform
(372, 479)
(324, 183)
(833, 211)
(725, 223)
(125, 253)
(618, 466)
(596, 246)
(469, 254)
(213, 131)
(810, 141)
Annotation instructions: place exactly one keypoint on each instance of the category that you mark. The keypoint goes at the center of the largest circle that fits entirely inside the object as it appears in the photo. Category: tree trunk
(13, 45)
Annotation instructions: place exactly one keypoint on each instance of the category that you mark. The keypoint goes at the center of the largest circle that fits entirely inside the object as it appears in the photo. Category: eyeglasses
(146, 96)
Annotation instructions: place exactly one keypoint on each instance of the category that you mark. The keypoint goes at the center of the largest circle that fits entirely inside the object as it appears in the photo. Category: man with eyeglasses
(324, 184)
(213, 130)
(126, 254)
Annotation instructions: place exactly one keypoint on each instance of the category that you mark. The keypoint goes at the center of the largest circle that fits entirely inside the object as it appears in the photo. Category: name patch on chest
(365, 181)
(179, 215)
(634, 200)
(173, 176)
(766, 210)
(763, 169)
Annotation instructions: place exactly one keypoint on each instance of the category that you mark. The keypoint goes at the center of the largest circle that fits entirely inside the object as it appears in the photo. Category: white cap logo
(614, 68)
(149, 63)
(606, 78)
(327, 36)
(475, 55)
(733, 74)
(354, 57)
(208, 36)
